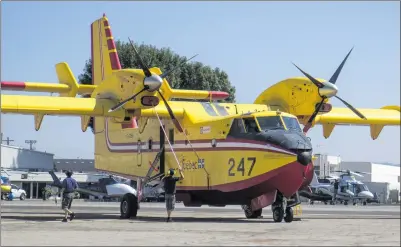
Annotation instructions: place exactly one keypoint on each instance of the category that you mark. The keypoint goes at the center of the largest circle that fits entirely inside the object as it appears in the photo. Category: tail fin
(56, 181)
(104, 53)
(314, 180)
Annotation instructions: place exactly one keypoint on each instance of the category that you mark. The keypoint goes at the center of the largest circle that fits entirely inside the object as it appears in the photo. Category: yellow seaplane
(251, 155)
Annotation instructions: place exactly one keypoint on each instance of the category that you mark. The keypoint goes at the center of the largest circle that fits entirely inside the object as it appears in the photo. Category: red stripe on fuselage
(287, 179)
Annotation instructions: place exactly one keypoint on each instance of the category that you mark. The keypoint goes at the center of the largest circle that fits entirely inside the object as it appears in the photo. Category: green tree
(192, 75)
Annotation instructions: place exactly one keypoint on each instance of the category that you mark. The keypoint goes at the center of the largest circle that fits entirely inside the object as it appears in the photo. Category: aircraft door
(139, 154)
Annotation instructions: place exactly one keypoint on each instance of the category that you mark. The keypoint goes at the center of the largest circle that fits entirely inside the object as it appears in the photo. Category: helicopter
(349, 189)
(251, 155)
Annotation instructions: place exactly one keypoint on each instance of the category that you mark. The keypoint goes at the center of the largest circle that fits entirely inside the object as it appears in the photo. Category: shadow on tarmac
(41, 217)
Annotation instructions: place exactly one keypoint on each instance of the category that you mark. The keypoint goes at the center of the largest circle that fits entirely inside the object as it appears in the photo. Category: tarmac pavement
(35, 222)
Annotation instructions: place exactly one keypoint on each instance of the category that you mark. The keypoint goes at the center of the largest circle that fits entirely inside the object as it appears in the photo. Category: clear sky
(254, 42)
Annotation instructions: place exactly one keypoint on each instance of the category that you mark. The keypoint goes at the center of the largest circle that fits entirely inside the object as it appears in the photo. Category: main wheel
(249, 214)
(289, 215)
(128, 206)
(22, 197)
(278, 214)
(345, 203)
(364, 203)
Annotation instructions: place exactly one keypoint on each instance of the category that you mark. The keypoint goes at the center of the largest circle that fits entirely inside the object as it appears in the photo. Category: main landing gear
(249, 214)
(282, 210)
(129, 206)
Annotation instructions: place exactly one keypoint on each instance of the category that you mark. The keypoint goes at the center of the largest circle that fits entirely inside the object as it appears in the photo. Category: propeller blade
(119, 105)
(165, 74)
(351, 107)
(309, 123)
(145, 69)
(334, 77)
(175, 121)
(316, 82)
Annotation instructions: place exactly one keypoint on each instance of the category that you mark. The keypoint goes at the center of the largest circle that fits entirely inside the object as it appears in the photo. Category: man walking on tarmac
(336, 182)
(169, 191)
(69, 186)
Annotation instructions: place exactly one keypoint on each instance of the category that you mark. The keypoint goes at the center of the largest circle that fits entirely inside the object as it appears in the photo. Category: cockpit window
(292, 124)
(272, 122)
(250, 125)
(361, 187)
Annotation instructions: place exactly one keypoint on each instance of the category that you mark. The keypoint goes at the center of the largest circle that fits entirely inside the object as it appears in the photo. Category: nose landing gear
(282, 209)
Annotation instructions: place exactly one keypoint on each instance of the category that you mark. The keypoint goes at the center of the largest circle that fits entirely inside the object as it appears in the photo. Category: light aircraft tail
(103, 49)
(56, 180)
(314, 181)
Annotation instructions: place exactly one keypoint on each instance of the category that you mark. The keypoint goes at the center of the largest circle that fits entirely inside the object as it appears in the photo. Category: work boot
(72, 216)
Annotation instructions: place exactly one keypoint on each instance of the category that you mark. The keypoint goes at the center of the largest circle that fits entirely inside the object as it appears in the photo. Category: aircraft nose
(304, 158)
(367, 194)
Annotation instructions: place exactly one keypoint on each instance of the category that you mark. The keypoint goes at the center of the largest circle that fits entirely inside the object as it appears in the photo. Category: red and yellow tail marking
(104, 53)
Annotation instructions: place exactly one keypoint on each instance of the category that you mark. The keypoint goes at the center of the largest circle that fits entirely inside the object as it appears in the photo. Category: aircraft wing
(49, 105)
(376, 119)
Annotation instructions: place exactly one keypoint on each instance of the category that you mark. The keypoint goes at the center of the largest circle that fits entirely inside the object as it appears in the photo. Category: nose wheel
(279, 214)
(282, 210)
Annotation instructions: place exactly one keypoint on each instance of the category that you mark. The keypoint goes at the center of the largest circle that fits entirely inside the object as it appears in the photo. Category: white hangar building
(379, 173)
(18, 158)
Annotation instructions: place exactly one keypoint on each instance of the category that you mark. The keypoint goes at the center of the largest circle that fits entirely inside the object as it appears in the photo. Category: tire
(252, 214)
(345, 203)
(3, 196)
(278, 214)
(364, 203)
(22, 197)
(128, 206)
(289, 215)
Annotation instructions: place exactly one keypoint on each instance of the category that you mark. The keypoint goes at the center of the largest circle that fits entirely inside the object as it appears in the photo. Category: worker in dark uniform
(169, 190)
(335, 190)
(69, 186)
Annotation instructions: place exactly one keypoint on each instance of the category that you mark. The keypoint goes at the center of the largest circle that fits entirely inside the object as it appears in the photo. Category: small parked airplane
(106, 188)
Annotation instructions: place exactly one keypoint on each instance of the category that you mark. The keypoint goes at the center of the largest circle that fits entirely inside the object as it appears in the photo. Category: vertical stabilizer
(314, 181)
(56, 180)
(103, 51)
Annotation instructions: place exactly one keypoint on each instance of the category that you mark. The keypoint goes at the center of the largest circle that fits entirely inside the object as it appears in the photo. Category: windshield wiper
(273, 128)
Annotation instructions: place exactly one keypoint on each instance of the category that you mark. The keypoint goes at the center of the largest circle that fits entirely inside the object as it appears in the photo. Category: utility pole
(8, 140)
(30, 142)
